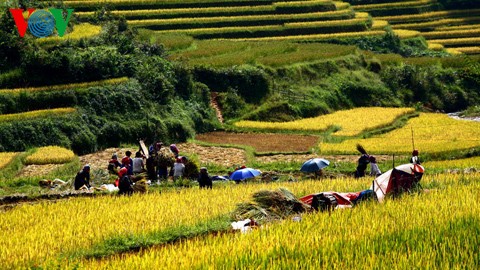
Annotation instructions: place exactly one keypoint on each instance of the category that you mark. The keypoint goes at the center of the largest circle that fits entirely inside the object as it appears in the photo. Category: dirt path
(214, 104)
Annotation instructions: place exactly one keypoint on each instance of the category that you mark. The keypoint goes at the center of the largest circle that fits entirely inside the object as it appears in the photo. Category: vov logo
(41, 23)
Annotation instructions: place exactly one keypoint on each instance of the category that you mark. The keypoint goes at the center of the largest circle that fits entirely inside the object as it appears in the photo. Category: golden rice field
(83, 30)
(473, 162)
(427, 15)
(280, 18)
(227, 52)
(437, 23)
(379, 24)
(79, 223)
(64, 86)
(6, 158)
(36, 114)
(181, 11)
(317, 36)
(392, 4)
(433, 133)
(418, 230)
(457, 41)
(468, 50)
(435, 46)
(50, 155)
(404, 34)
(451, 33)
(350, 122)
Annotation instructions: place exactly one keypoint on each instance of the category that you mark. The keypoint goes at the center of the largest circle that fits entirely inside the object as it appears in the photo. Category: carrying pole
(413, 142)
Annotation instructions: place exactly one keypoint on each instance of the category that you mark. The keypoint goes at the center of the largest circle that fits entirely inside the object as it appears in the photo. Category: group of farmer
(163, 163)
(366, 159)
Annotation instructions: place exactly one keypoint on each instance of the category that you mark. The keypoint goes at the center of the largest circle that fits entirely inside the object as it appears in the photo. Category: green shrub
(251, 83)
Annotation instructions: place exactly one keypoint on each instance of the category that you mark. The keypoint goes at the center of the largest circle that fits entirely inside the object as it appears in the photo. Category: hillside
(132, 69)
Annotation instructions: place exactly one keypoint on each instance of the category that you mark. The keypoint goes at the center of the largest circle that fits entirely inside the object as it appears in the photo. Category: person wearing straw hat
(204, 179)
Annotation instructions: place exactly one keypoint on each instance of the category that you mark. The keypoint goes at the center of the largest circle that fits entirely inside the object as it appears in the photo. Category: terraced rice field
(224, 53)
(452, 29)
(6, 158)
(80, 31)
(50, 155)
(244, 19)
(464, 163)
(62, 87)
(433, 133)
(36, 114)
(348, 122)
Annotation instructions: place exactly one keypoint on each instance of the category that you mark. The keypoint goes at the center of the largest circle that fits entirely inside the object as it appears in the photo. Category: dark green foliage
(231, 104)
(460, 4)
(157, 77)
(437, 88)
(391, 43)
(275, 111)
(251, 83)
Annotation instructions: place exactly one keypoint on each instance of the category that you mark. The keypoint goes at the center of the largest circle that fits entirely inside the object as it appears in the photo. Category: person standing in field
(82, 180)
(127, 162)
(138, 165)
(374, 170)
(178, 169)
(362, 162)
(362, 166)
(150, 164)
(415, 159)
(174, 150)
(204, 179)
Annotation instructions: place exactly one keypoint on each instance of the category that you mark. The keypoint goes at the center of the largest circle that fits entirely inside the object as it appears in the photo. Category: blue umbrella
(244, 174)
(314, 164)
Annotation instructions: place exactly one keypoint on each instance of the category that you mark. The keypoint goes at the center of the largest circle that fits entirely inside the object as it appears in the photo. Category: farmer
(127, 162)
(319, 173)
(178, 169)
(82, 180)
(362, 166)
(138, 165)
(113, 164)
(415, 159)
(204, 179)
(174, 150)
(124, 182)
(150, 164)
(374, 170)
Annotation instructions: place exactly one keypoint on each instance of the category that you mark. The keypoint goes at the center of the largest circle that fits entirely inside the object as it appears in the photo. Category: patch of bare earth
(218, 155)
(223, 156)
(263, 142)
(37, 170)
(99, 160)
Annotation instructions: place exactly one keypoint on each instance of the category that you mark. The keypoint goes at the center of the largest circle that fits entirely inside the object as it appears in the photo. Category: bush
(251, 83)
(157, 77)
